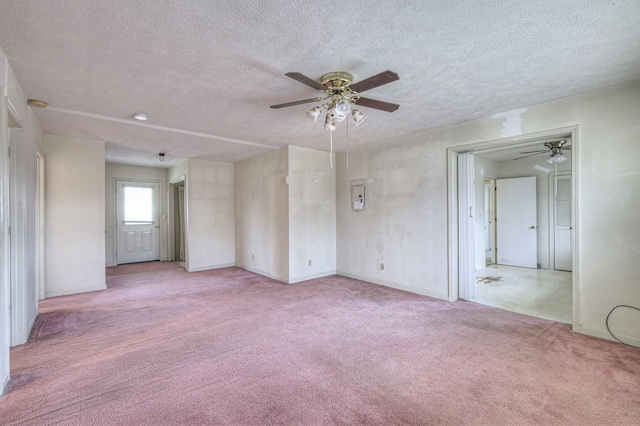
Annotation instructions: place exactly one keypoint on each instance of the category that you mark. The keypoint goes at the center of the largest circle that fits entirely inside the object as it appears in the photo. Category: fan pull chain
(331, 153)
(555, 184)
(347, 143)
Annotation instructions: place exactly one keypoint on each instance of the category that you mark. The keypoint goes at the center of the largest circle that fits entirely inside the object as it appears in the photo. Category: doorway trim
(40, 220)
(452, 204)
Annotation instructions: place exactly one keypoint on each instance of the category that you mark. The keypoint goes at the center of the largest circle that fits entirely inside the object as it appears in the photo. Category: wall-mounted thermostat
(357, 194)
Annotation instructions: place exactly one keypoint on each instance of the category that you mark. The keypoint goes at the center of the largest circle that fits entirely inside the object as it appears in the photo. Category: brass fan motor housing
(555, 145)
(337, 80)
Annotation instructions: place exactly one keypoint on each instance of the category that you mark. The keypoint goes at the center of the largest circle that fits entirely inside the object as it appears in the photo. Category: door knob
(532, 227)
(157, 226)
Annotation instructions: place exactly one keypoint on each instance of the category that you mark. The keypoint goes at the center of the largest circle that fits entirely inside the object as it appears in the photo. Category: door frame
(454, 246)
(40, 220)
(115, 213)
(5, 248)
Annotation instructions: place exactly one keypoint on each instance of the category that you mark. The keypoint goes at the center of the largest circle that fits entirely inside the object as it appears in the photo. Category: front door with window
(138, 222)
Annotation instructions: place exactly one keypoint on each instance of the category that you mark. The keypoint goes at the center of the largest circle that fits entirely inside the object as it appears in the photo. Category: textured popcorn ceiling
(206, 71)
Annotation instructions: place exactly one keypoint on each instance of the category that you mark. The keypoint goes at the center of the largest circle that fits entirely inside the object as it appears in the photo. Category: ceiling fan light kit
(556, 158)
(358, 117)
(340, 94)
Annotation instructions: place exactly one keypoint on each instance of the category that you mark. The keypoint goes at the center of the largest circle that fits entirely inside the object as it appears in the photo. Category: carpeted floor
(161, 346)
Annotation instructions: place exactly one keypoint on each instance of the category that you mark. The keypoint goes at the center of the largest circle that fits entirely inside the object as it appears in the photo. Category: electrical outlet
(382, 266)
(309, 262)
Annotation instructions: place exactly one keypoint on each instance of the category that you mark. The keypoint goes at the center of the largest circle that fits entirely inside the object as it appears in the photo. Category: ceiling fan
(340, 93)
(554, 148)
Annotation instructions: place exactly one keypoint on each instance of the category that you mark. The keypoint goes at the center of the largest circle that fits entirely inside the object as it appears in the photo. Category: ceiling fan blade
(306, 80)
(374, 81)
(530, 155)
(540, 151)
(288, 104)
(372, 103)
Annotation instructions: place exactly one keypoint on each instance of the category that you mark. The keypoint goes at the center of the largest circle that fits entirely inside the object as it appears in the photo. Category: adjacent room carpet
(162, 346)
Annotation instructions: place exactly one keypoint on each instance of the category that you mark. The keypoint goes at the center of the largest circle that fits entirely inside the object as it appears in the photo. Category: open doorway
(177, 221)
(544, 287)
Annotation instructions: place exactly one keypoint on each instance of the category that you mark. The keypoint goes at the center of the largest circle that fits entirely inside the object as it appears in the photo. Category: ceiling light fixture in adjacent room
(556, 158)
(140, 116)
(554, 148)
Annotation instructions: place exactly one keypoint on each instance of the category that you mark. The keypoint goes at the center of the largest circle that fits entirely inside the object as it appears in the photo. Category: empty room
(319, 212)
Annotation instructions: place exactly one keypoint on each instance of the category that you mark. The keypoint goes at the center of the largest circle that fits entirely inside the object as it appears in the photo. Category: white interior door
(138, 221)
(562, 222)
(517, 227)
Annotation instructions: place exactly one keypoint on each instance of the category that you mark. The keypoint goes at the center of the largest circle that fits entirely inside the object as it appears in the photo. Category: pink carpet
(161, 346)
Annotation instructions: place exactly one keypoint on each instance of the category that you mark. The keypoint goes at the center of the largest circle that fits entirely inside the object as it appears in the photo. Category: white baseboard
(207, 268)
(311, 277)
(32, 322)
(287, 281)
(74, 291)
(265, 274)
(5, 385)
(395, 285)
(605, 335)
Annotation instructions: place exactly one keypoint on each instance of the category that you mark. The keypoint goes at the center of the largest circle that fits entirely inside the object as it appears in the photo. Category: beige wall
(404, 223)
(285, 214)
(312, 214)
(209, 194)
(135, 173)
(262, 214)
(75, 221)
(407, 221)
(177, 171)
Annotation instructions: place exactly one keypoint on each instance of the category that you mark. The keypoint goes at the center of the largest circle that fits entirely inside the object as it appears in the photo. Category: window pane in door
(138, 204)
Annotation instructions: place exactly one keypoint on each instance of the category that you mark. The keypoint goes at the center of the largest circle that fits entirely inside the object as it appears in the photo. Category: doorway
(178, 221)
(179, 227)
(137, 221)
(466, 253)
